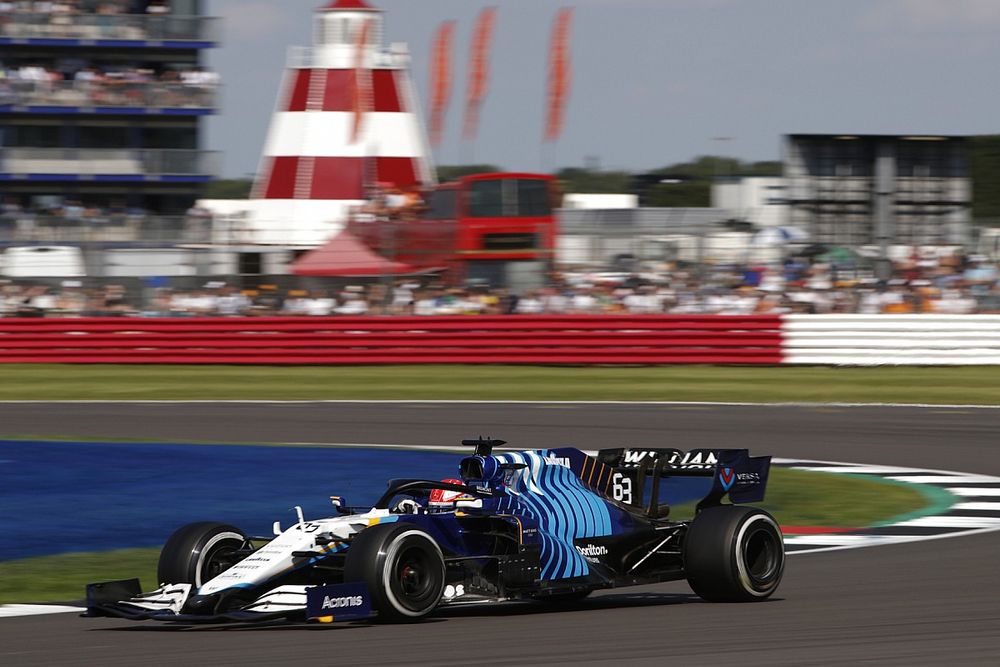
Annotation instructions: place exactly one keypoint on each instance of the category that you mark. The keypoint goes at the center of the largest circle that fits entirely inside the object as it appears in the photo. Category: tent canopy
(344, 255)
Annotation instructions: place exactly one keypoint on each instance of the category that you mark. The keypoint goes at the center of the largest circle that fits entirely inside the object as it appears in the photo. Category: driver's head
(445, 499)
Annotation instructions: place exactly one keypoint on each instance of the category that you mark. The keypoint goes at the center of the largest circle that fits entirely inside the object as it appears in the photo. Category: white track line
(951, 522)
(974, 492)
(899, 539)
(944, 479)
(16, 610)
(978, 507)
(858, 470)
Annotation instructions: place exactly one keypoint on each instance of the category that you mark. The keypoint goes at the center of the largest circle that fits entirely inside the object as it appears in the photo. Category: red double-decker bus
(495, 228)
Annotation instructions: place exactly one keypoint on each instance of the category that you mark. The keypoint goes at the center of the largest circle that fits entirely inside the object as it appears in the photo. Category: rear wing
(735, 473)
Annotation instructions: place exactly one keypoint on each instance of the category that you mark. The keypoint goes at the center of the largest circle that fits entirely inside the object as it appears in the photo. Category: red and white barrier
(543, 339)
(849, 340)
(904, 340)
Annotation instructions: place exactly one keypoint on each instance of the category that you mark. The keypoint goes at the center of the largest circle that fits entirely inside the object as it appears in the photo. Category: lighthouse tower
(316, 166)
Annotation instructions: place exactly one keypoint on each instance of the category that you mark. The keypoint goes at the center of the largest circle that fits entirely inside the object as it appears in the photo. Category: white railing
(128, 27)
(143, 94)
(102, 228)
(93, 161)
(306, 57)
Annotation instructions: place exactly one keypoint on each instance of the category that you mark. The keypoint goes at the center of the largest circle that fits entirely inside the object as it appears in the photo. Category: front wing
(167, 602)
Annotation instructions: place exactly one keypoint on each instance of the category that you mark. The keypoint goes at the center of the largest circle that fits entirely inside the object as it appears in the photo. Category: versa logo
(727, 477)
(347, 601)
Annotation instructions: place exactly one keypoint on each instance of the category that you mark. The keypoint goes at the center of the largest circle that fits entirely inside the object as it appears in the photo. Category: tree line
(689, 184)
(686, 184)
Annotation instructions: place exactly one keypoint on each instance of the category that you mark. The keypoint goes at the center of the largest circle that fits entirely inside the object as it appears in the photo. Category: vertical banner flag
(479, 69)
(441, 79)
(362, 97)
(559, 75)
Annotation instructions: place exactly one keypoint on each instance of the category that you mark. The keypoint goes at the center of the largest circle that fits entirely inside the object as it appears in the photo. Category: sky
(655, 82)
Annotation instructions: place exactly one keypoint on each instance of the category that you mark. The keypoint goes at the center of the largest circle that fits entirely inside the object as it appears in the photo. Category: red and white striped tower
(313, 170)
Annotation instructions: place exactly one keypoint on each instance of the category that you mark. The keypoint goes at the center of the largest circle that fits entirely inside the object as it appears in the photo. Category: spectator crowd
(92, 19)
(78, 83)
(65, 219)
(942, 283)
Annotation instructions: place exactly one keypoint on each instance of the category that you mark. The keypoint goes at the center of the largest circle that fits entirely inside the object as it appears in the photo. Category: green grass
(968, 385)
(795, 497)
(62, 578)
(806, 498)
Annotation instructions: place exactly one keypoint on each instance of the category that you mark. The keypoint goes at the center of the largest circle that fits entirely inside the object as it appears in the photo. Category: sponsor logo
(695, 459)
(727, 476)
(341, 602)
(592, 551)
(557, 461)
(635, 456)
(698, 459)
(748, 478)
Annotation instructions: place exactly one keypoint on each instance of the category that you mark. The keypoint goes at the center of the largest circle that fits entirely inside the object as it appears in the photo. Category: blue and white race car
(548, 525)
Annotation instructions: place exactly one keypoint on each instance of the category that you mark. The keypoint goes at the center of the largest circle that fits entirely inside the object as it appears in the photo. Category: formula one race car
(548, 525)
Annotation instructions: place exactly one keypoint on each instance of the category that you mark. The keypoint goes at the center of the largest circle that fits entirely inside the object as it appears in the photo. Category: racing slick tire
(403, 568)
(734, 554)
(198, 552)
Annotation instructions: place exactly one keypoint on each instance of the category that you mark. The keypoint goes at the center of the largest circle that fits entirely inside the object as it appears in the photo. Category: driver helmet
(443, 500)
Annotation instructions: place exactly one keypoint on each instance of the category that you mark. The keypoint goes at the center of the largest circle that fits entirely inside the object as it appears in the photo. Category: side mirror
(340, 503)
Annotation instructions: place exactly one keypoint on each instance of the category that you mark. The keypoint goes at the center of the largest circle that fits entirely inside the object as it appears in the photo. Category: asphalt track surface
(931, 602)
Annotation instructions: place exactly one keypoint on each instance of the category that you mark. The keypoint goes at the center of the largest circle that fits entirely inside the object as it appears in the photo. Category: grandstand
(103, 133)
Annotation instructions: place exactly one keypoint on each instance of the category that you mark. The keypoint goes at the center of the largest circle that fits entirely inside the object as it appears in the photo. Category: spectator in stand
(353, 301)
(231, 302)
(583, 300)
(643, 301)
(425, 303)
(320, 305)
(530, 304)
(402, 298)
(72, 300)
(395, 201)
(412, 204)
(295, 303)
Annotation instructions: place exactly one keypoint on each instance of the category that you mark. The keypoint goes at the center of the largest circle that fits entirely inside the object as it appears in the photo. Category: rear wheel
(734, 554)
(403, 567)
(199, 552)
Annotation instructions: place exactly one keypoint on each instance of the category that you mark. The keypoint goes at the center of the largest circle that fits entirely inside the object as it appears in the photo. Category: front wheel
(199, 552)
(403, 568)
(734, 554)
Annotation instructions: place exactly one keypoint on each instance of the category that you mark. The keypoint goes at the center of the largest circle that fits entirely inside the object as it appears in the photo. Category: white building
(760, 200)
